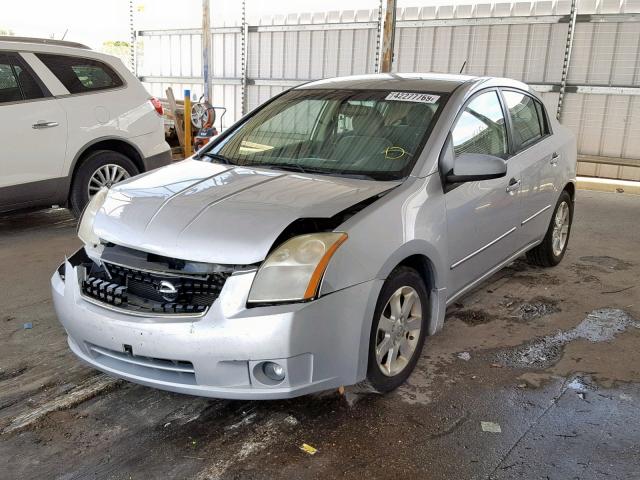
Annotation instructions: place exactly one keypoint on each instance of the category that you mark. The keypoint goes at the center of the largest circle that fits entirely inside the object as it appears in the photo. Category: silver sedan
(318, 241)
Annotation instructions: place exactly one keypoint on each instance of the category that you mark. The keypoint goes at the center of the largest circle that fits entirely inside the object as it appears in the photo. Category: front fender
(409, 220)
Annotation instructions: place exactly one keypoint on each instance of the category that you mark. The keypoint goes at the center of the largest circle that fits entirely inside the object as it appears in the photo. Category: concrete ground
(548, 359)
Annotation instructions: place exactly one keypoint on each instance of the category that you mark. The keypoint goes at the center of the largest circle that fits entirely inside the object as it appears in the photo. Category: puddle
(538, 307)
(602, 325)
(472, 317)
(599, 326)
(51, 218)
(607, 262)
(580, 384)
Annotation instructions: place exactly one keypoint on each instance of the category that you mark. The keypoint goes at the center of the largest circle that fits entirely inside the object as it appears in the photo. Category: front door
(34, 134)
(482, 215)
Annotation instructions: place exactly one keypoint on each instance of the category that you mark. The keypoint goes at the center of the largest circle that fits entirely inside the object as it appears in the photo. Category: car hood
(209, 212)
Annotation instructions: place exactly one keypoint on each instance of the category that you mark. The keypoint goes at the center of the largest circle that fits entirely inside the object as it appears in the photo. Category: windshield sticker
(413, 97)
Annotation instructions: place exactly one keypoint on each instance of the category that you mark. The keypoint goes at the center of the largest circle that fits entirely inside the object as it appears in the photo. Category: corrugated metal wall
(521, 40)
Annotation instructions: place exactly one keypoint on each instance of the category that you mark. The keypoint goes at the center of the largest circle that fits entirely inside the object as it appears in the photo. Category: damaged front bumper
(222, 353)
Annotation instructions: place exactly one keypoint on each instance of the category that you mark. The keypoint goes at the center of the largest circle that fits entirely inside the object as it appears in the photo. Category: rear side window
(80, 75)
(527, 122)
(481, 127)
(16, 82)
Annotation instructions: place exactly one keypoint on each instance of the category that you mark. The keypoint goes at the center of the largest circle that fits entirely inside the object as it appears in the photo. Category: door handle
(513, 185)
(42, 124)
(554, 159)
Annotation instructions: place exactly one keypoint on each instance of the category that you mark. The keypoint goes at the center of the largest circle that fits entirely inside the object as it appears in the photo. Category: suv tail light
(157, 105)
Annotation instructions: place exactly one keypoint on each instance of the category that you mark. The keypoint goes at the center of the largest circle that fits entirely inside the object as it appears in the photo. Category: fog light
(273, 371)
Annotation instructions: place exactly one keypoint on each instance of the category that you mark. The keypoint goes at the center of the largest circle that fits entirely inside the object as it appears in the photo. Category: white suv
(71, 121)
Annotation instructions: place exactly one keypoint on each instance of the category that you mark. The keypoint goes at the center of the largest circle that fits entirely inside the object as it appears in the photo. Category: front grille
(153, 292)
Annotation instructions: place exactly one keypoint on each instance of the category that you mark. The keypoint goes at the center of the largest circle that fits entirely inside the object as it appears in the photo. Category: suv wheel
(399, 329)
(102, 168)
(550, 252)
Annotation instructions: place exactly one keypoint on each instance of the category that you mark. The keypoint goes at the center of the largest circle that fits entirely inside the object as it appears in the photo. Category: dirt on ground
(536, 374)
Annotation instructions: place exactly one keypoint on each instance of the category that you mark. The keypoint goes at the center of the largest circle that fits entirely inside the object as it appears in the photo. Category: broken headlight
(294, 270)
(85, 227)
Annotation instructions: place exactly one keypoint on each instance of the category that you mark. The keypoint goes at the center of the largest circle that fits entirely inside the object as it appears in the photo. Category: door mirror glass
(472, 167)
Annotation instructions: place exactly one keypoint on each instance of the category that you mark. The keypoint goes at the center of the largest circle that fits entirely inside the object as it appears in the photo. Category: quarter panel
(112, 113)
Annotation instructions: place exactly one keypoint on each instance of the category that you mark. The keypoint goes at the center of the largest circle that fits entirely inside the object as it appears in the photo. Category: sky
(94, 21)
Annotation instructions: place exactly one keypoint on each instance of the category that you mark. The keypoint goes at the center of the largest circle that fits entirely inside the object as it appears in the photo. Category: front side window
(80, 75)
(16, 82)
(339, 132)
(527, 125)
(481, 127)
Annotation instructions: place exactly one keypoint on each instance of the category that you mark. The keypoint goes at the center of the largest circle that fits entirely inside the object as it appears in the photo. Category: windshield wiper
(217, 157)
(292, 167)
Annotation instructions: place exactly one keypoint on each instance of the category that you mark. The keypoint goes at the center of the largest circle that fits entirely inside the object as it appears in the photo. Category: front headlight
(85, 227)
(294, 270)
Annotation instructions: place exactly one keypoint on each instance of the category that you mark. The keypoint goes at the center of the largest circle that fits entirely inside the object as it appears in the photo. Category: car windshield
(367, 134)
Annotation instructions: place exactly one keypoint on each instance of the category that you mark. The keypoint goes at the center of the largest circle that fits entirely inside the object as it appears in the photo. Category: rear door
(33, 133)
(537, 156)
(482, 216)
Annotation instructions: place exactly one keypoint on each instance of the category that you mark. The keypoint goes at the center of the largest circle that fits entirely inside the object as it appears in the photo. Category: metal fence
(597, 93)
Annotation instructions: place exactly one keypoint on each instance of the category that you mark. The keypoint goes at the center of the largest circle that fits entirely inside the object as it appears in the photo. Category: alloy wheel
(398, 331)
(560, 229)
(106, 176)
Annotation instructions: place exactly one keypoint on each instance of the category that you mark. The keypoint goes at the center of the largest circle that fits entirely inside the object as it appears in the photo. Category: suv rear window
(80, 75)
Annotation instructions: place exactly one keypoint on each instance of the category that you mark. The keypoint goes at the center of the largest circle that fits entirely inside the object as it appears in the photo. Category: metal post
(243, 60)
(206, 49)
(567, 55)
(388, 37)
(132, 40)
(376, 68)
(187, 123)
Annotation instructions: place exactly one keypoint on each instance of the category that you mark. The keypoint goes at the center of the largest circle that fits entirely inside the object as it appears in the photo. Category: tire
(545, 255)
(381, 378)
(80, 193)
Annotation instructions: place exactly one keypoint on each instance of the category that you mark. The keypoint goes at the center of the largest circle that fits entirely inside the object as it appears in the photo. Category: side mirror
(472, 167)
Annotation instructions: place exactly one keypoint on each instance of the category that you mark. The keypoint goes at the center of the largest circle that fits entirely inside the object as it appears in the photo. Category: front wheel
(102, 168)
(552, 249)
(398, 331)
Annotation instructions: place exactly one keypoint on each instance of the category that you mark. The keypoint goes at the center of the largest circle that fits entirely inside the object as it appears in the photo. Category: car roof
(44, 45)
(42, 41)
(421, 82)
(428, 82)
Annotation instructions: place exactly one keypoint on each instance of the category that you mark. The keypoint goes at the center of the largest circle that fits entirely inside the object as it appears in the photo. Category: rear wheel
(552, 249)
(102, 168)
(398, 331)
